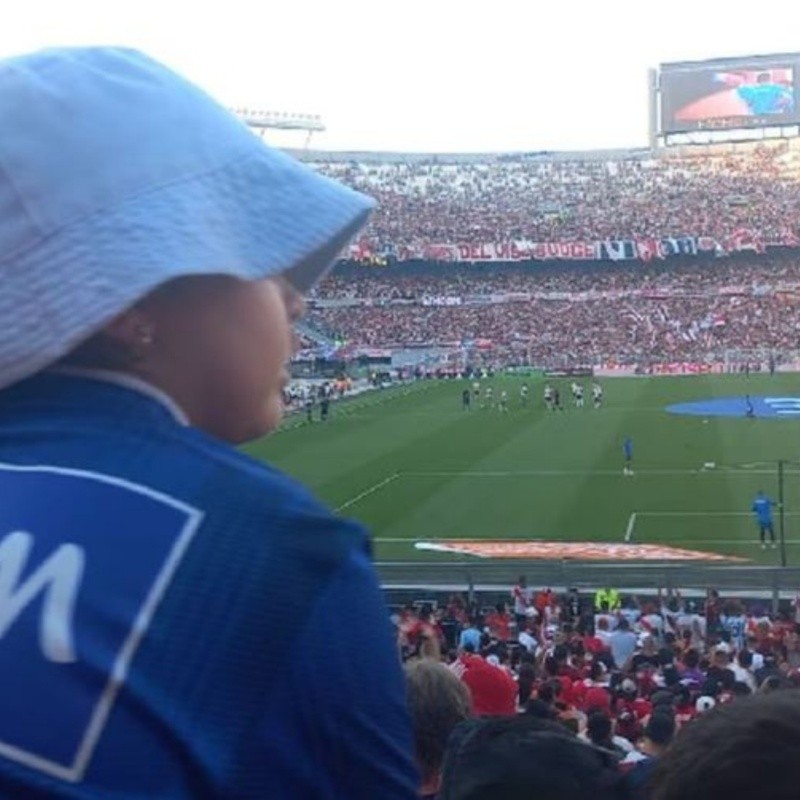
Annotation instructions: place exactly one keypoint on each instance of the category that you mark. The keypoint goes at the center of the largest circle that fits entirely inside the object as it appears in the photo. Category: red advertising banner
(510, 251)
(613, 250)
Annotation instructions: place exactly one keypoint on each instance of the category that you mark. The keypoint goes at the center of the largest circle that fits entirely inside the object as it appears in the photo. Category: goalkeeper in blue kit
(762, 508)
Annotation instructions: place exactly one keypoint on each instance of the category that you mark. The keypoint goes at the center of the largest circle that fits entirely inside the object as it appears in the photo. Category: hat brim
(258, 216)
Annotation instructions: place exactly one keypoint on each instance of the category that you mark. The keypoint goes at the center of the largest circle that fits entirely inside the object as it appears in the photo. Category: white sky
(425, 75)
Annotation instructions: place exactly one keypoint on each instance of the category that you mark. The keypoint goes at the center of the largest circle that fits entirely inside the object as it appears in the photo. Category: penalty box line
(367, 492)
(556, 473)
(635, 515)
(492, 474)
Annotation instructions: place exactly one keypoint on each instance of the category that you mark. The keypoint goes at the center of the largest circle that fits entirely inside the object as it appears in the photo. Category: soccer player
(578, 395)
(476, 389)
(557, 400)
(762, 508)
(750, 412)
(627, 452)
(466, 399)
(597, 394)
(548, 396)
(324, 403)
(309, 404)
(523, 395)
(489, 394)
(503, 405)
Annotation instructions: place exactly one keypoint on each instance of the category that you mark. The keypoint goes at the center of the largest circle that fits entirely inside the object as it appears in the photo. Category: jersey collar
(130, 382)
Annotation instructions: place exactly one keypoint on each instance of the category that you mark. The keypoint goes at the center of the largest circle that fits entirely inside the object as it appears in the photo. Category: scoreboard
(724, 94)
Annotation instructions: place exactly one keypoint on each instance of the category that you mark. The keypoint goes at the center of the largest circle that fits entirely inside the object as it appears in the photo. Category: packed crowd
(593, 314)
(551, 332)
(708, 277)
(709, 193)
(632, 679)
(587, 316)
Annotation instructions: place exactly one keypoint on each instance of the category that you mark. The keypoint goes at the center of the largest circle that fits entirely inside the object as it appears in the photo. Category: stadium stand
(685, 660)
(708, 192)
(593, 315)
(454, 259)
(677, 257)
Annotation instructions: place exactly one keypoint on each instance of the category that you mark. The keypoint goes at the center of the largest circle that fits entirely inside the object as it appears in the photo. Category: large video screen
(737, 93)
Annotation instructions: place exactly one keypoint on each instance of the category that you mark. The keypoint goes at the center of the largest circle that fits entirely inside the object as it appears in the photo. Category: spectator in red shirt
(499, 623)
(422, 635)
(543, 600)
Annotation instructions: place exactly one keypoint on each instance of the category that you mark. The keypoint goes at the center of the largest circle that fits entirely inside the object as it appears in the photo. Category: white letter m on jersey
(58, 576)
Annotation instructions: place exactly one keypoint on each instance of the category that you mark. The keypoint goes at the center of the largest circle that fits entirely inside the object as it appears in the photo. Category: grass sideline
(413, 466)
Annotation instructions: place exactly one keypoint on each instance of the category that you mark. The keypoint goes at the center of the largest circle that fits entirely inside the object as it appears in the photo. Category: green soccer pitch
(414, 467)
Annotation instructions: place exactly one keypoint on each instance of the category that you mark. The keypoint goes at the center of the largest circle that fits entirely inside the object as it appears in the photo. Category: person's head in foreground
(745, 750)
(658, 733)
(526, 757)
(438, 701)
(146, 231)
(163, 592)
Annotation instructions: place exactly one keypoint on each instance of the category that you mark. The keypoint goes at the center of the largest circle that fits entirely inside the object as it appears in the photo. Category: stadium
(379, 475)
(655, 292)
(666, 275)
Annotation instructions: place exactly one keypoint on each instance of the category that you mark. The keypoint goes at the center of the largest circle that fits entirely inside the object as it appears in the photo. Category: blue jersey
(767, 98)
(735, 626)
(178, 620)
(762, 508)
(627, 449)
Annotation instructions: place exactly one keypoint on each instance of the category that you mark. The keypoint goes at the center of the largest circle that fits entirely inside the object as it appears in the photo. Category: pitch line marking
(575, 473)
(743, 542)
(706, 513)
(629, 531)
(631, 525)
(367, 492)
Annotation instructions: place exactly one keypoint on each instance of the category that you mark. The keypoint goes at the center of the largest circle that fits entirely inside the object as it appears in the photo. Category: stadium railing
(460, 575)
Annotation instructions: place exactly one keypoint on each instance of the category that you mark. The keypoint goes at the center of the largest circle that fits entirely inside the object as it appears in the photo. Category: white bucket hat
(117, 175)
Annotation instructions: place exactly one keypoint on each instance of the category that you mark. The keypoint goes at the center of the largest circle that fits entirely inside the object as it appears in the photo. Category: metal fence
(461, 575)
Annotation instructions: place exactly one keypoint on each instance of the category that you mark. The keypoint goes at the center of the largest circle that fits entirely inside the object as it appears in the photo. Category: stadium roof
(379, 157)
